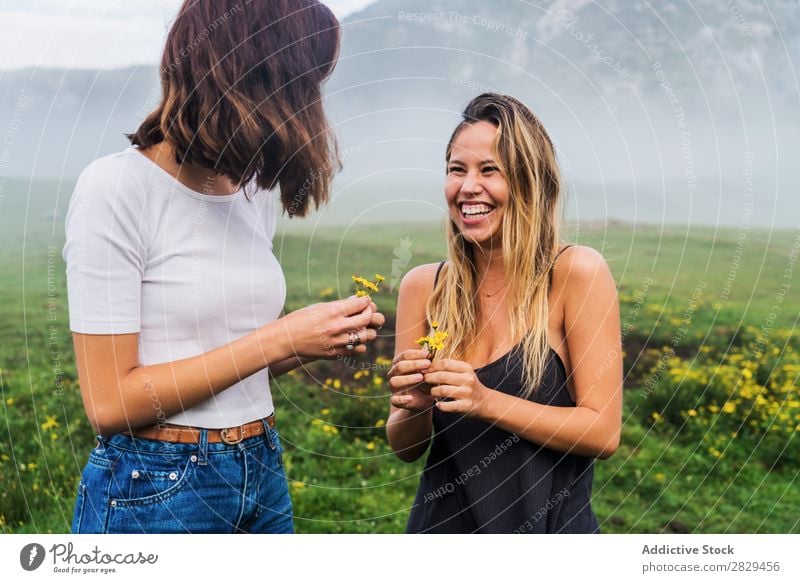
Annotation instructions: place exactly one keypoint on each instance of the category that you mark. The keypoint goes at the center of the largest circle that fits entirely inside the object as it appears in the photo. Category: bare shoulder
(419, 281)
(580, 267)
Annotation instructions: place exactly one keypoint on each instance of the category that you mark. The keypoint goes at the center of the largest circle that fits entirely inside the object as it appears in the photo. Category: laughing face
(476, 190)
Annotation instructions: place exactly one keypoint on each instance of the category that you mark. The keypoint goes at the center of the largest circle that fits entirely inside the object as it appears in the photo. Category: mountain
(669, 110)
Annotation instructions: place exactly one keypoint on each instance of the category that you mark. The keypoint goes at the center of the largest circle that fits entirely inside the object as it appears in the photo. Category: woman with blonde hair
(526, 389)
(175, 295)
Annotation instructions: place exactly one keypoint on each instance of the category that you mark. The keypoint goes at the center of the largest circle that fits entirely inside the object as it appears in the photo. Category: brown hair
(241, 84)
(527, 160)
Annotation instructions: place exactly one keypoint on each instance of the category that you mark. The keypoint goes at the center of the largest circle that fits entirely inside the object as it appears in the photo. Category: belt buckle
(223, 435)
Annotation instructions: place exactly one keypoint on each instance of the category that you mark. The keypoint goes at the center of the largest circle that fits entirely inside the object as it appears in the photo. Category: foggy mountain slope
(668, 110)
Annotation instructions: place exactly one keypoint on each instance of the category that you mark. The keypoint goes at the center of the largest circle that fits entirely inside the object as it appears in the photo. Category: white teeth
(475, 209)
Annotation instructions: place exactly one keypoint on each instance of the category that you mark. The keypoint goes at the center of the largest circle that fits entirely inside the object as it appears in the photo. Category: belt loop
(202, 458)
(268, 434)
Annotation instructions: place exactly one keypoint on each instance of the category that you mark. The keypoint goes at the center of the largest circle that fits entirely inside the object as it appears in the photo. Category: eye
(454, 169)
(489, 169)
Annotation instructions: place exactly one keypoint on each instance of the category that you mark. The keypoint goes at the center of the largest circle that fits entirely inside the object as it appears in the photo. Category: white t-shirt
(188, 271)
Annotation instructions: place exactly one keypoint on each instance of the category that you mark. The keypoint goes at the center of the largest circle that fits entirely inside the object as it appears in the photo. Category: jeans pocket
(153, 495)
(143, 480)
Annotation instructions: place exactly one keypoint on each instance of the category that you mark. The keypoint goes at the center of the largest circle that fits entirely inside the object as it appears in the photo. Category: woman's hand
(457, 382)
(323, 330)
(405, 380)
(378, 319)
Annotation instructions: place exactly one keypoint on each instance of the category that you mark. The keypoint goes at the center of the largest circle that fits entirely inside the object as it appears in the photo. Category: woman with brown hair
(175, 295)
(527, 387)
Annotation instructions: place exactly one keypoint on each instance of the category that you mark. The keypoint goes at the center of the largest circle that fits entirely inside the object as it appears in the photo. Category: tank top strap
(550, 273)
(438, 272)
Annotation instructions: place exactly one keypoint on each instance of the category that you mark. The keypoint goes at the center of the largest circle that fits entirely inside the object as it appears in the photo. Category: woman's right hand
(323, 330)
(405, 376)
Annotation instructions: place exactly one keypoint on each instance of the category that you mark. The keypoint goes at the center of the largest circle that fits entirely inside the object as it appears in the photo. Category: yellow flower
(380, 423)
(327, 292)
(330, 429)
(50, 422)
(659, 477)
(367, 285)
(729, 407)
(692, 413)
(370, 445)
(337, 384)
(433, 343)
(325, 411)
(9, 401)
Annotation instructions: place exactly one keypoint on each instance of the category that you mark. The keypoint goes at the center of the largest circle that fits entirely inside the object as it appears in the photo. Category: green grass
(347, 480)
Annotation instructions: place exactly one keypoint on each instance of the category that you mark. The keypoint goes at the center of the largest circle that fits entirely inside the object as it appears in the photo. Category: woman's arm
(119, 395)
(410, 422)
(592, 329)
(282, 367)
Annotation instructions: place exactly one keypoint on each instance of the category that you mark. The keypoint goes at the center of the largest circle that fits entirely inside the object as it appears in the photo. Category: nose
(471, 184)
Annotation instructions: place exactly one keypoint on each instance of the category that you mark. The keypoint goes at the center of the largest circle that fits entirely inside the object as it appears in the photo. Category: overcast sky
(94, 34)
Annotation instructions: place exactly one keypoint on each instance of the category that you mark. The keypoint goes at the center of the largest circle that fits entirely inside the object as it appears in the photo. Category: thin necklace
(490, 294)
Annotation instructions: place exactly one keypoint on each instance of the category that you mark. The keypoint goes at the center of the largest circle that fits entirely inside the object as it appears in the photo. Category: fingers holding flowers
(456, 387)
(405, 381)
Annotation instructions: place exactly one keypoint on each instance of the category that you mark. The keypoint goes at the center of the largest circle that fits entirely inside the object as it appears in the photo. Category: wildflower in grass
(659, 477)
(327, 292)
(50, 422)
(371, 445)
(9, 401)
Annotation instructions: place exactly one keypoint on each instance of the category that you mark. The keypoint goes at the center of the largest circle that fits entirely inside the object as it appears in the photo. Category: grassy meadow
(711, 417)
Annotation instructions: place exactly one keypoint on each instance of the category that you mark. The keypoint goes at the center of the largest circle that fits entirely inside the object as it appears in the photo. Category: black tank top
(480, 478)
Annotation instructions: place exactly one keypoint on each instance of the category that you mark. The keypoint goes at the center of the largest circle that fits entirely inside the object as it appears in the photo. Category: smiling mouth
(475, 212)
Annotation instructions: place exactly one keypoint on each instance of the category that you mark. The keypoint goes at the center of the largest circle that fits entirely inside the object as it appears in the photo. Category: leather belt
(184, 434)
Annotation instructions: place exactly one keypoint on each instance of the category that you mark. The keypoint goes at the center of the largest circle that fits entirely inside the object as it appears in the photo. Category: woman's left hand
(456, 381)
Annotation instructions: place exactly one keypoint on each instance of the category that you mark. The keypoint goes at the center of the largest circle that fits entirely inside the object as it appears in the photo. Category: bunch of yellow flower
(433, 343)
(365, 287)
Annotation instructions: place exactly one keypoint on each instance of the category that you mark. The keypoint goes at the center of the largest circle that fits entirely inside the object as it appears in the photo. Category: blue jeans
(135, 485)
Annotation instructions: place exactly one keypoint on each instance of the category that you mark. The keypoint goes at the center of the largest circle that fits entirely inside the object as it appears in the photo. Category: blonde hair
(527, 160)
